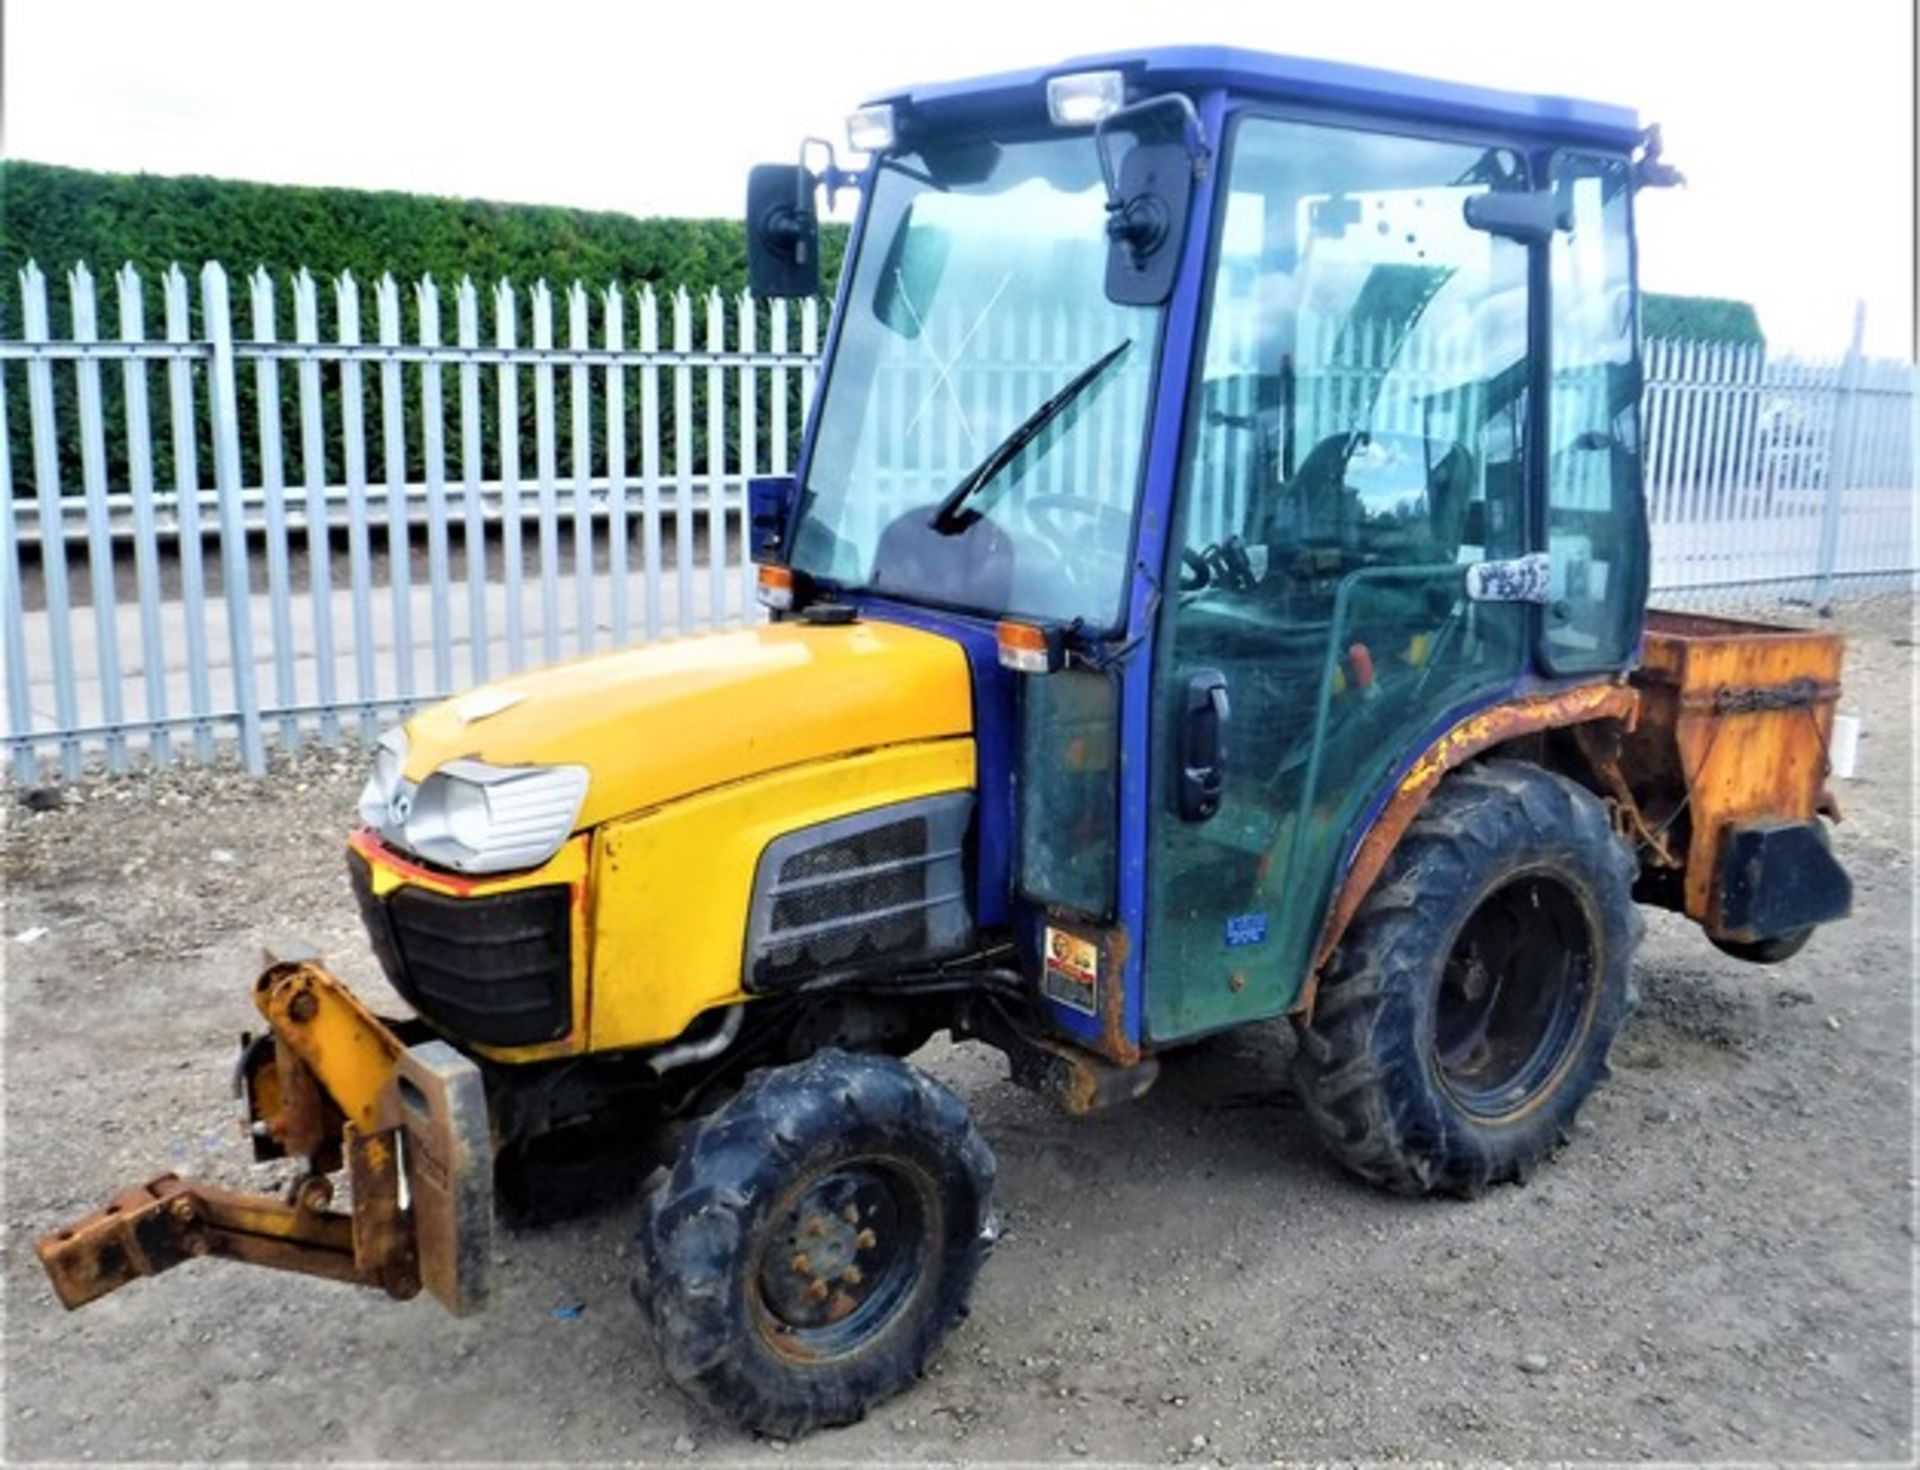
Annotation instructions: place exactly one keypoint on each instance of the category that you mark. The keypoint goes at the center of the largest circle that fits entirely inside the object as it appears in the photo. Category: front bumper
(333, 1084)
(494, 968)
(499, 965)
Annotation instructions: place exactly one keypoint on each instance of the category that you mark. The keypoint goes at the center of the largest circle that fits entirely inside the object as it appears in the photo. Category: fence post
(1840, 459)
(13, 613)
(146, 531)
(393, 438)
(53, 525)
(273, 494)
(222, 398)
(93, 477)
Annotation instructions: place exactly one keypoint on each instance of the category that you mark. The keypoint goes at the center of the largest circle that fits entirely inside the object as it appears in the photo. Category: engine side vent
(861, 894)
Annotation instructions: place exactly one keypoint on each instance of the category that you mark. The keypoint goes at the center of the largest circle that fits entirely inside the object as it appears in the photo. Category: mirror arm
(1650, 170)
(1192, 132)
(829, 176)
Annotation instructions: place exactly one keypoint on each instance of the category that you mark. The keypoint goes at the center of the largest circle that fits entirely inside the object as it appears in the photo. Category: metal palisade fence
(248, 526)
(303, 513)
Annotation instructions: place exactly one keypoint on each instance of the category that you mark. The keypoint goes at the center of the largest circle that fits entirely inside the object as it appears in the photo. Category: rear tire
(1469, 1010)
(816, 1240)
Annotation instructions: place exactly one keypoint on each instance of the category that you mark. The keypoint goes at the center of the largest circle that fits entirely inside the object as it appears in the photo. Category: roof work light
(870, 130)
(1081, 99)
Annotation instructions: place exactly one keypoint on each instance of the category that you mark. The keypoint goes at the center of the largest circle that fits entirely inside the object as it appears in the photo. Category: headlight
(377, 796)
(477, 818)
(471, 816)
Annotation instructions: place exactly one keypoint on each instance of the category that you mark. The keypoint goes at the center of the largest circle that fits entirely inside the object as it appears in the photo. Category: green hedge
(60, 216)
(1700, 319)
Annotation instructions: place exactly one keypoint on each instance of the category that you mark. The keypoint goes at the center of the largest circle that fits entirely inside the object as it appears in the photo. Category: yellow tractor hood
(664, 720)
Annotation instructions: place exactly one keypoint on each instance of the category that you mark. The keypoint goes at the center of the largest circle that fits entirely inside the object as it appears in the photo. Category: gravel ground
(1719, 1267)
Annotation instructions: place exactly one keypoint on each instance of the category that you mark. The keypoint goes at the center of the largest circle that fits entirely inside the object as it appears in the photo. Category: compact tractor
(1213, 589)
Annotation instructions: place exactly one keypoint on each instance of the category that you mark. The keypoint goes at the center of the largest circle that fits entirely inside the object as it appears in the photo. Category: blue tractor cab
(1293, 405)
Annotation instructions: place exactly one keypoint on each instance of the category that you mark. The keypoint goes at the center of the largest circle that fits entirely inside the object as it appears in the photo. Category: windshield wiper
(948, 517)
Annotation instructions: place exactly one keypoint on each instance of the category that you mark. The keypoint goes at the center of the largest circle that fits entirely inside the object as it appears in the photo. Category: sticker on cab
(1246, 929)
(1071, 974)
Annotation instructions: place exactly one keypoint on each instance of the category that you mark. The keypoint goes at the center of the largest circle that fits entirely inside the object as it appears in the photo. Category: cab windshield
(980, 436)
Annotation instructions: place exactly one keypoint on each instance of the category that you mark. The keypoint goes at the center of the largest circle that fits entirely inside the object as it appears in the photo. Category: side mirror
(1148, 198)
(1529, 217)
(783, 232)
(1146, 227)
(770, 502)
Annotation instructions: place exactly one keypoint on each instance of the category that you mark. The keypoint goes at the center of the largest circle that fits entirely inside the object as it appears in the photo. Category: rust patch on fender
(1465, 740)
(1114, 1041)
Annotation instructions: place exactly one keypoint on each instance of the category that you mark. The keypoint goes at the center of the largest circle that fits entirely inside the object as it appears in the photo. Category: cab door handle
(1202, 774)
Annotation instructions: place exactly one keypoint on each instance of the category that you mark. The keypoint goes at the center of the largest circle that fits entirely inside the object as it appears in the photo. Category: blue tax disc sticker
(1246, 929)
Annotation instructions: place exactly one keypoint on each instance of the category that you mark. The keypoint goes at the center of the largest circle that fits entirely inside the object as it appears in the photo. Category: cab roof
(1297, 79)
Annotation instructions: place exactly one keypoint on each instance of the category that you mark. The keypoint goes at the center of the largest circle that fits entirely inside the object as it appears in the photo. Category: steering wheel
(1078, 527)
(1050, 513)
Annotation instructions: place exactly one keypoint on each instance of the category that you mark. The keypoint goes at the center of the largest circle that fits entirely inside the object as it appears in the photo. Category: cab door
(1354, 443)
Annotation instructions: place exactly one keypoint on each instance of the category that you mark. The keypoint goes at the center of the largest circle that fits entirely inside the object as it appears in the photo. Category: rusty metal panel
(441, 1104)
(348, 1049)
(1076, 1080)
(1734, 727)
(155, 1226)
(384, 1248)
(133, 1234)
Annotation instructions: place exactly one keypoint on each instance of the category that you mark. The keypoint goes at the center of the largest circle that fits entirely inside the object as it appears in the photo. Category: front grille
(861, 894)
(495, 969)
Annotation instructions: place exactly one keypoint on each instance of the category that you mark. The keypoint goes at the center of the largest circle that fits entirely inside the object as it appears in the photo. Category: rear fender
(1478, 732)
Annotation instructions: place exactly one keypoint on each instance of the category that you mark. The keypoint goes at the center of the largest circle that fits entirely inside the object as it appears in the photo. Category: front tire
(816, 1240)
(1470, 1008)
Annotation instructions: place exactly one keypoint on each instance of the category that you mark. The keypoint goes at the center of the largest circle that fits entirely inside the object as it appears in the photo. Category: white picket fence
(203, 546)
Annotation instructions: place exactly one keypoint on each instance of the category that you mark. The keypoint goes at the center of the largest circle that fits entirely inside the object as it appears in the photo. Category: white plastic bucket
(1843, 746)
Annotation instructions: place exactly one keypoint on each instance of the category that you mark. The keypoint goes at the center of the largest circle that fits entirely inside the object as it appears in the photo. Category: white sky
(1794, 122)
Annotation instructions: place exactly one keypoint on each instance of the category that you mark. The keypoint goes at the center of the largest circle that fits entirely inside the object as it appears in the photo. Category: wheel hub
(1513, 999)
(841, 1256)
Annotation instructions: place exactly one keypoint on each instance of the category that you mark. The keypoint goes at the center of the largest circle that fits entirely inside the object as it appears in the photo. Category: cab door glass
(1595, 533)
(1355, 440)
